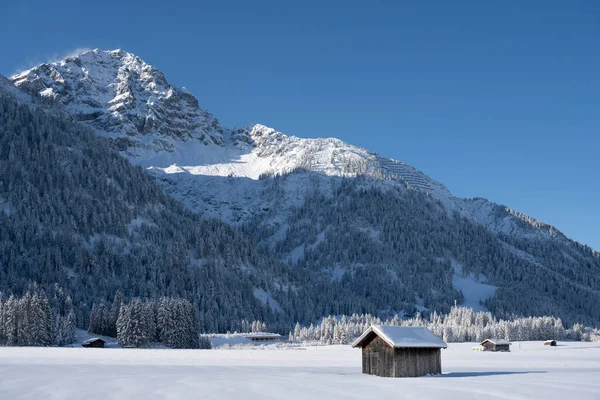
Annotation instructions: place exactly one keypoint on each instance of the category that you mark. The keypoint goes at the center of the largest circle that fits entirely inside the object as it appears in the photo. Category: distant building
(496, 345)
(550, 343)
(94, 342)
(263, 336)
(400, 351)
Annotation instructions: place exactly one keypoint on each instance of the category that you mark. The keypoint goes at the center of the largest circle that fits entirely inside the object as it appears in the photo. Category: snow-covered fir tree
(462, 324)
(170, 321)
(28, 321)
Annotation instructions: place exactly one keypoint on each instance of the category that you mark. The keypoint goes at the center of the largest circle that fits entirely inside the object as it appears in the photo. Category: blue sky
(496, 99)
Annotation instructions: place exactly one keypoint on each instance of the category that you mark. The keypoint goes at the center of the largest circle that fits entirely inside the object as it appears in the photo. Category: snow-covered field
(530, 371)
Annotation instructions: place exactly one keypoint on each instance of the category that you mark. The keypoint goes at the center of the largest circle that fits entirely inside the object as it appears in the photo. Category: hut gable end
(393, 351)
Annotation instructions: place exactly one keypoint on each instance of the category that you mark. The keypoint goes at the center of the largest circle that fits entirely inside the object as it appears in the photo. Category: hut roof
(92, 340)
(262, 335)
(402, 336)
(496, 341)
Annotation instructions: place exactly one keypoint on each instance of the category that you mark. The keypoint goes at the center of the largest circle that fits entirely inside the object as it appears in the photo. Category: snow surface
(404, 336)
(530, 371)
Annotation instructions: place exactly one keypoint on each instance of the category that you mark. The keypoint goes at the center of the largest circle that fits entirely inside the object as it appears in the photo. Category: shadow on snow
(486, 373)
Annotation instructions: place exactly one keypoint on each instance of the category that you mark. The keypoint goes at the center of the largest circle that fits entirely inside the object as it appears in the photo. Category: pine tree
(114, 314)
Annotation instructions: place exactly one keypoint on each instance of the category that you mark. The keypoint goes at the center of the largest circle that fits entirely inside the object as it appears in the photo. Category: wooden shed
(262, 336)
(550, 343)
(94, 342)
(400, 351)
(496, 345)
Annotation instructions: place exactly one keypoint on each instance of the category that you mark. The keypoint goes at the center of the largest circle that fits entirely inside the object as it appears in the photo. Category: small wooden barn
(400, 351)
(262, 336)
(496, 345)
(94, 342)
(550, 343)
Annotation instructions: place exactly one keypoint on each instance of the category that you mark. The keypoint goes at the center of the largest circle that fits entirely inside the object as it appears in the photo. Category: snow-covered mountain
(162, 127)
(258, 178)
(158, 125)
(122, 97)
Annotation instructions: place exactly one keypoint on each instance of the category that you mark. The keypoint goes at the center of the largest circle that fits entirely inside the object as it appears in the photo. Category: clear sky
(496, 99)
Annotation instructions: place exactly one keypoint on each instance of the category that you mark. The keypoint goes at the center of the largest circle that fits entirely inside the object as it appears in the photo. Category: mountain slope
(372, 234)
(75, 213)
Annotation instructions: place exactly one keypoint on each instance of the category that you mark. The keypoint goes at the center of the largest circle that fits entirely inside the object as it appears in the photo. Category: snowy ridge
(414, 178)
(501, 219)
(161, 126)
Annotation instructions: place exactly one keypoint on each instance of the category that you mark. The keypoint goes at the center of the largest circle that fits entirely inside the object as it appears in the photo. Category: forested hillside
(396, 249)
(76, 213)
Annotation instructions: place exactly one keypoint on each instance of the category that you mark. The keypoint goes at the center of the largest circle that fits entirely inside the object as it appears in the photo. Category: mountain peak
(125, 98)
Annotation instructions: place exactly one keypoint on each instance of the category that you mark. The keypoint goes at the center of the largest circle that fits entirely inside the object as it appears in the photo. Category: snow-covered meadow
(530, 371)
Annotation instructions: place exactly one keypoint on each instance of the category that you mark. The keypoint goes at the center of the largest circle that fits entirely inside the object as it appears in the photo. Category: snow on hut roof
(496, 341)
(403, 336)
(90, 340)
(262, 335)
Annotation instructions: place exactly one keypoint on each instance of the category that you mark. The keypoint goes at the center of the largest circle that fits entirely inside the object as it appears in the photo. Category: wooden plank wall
(417, 362)
(379, 358)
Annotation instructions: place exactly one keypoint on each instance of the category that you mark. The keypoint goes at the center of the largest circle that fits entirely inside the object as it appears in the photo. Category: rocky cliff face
(122, 97)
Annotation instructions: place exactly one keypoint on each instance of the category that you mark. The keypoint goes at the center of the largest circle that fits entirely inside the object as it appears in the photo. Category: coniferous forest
(89, 240)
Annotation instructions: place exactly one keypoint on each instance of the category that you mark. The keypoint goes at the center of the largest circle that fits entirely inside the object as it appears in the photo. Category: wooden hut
(550, 343)
(94, 342)
(400, 351)
(263, 336)
(496, 345)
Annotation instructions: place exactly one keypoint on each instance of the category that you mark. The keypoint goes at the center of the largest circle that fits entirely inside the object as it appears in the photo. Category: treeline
(36, 320)
(462, 324)
(172, 322)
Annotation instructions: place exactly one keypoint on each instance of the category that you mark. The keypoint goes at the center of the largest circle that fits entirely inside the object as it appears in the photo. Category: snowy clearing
(530, 371)
(474, 289)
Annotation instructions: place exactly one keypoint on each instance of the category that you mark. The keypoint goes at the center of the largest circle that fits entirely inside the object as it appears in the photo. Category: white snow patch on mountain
(296, 254)
(5, 207)
(337, 272)
(473, 288)
(135, 224)
(266, 298)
